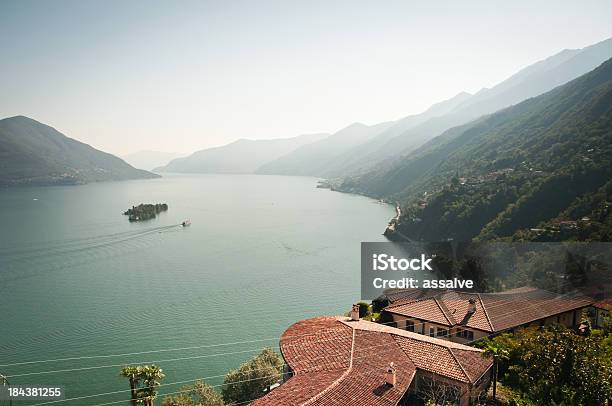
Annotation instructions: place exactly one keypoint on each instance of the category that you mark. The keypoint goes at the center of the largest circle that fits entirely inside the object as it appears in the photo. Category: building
(464, 317)
(339, 361)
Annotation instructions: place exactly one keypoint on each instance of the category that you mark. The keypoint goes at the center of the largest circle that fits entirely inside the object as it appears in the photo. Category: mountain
(32, 153)
(529, 82)
(313, 159)
(349, 145)
(241, 156)
(150, 159)
(540, 163)
(356, 159)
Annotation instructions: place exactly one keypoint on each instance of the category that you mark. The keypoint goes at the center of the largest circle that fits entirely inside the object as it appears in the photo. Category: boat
(186, 223)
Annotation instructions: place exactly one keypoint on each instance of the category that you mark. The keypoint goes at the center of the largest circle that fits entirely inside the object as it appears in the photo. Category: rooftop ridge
(484, 309)
(460, 366)
(337, 381)
(445, 311)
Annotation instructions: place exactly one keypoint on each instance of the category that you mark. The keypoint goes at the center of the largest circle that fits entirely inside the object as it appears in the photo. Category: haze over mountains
(383, 160)
(148, 160)
(242, 156)
(359, 148)
(546, 159)
(529, 82)
(32, 153)
(314, 158)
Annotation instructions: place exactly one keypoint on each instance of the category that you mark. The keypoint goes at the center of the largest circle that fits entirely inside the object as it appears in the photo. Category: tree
(178, 400)
(252, 378)
(144, 380)
(556, 366)
(151, 378)
(496, 351)
(364, 309)
(435, 391)
(206, 394)
(200, 393)
(133, 375)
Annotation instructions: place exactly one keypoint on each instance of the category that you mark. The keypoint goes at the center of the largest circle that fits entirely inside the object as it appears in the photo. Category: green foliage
(144, 381)
(532, 165)
(556, 366)
(364, 309)
(145, 211)
(200, 393)
(251, 379)
(178, 400)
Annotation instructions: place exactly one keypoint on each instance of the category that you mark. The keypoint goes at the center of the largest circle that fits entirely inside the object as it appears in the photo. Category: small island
(145, 211)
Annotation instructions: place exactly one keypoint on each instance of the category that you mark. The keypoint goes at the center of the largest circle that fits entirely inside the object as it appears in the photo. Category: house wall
(568, 319)
(423, 327)
(420, 326)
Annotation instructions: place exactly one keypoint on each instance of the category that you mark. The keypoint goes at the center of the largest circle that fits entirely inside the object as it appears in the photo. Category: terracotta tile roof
(395, 295)
(424, 309)
(473, 363)
(507, 310)
(428, 353)
(494, 311)
(338, 362)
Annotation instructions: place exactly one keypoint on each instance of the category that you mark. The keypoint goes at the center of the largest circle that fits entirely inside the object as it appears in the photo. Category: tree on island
(145, 211)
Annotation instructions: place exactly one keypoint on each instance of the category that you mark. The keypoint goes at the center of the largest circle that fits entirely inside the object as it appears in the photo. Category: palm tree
(133, 375)
(144, 380)
(152, 376)
(497, 352)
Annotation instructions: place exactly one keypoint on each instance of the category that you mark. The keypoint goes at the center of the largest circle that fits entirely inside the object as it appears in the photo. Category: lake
(77, 279)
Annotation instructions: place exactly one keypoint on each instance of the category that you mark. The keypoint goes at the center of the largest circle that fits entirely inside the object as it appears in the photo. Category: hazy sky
(182, 75)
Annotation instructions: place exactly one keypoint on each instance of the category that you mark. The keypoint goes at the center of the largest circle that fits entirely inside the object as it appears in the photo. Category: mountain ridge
(240, 156)
(519, 168)
(33, 153)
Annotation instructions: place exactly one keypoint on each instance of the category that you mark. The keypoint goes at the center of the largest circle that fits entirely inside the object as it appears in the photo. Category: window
(409, 325)
(442, 332)
(467, 334)
(432, 331)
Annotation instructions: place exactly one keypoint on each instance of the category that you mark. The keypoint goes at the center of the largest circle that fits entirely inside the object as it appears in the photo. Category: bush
(557, 366)
(200, 393)
(364, 309)
(252, 378)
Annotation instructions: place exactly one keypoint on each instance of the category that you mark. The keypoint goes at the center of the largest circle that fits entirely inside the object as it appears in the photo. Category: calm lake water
(78, 280)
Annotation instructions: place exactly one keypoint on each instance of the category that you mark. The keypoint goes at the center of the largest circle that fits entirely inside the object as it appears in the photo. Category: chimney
(355, 312)
(391, 376)
(472, 306)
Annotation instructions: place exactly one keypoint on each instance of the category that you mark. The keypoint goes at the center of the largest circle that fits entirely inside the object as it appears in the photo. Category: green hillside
(32, 153)
(543, 164)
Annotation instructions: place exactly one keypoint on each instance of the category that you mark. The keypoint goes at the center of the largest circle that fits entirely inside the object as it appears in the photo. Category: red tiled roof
(427, 309)
(507, 310)
(494, 311)
(339, 362)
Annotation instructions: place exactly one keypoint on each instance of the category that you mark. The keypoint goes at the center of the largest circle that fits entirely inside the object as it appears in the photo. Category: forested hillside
(32, 153)
(537, 170)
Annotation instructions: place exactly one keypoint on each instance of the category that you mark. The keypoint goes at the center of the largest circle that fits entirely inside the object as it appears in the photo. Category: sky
(180, 76)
